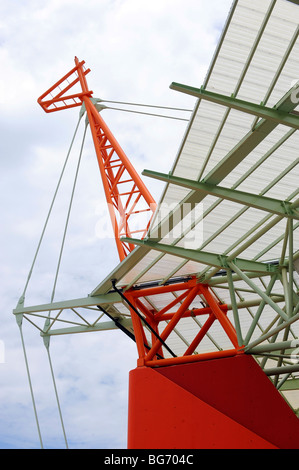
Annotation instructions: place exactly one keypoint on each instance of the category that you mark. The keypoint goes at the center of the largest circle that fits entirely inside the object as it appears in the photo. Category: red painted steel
(56, 97)
(239, 388)
(126, 194)
(172, 313)
(163, 415)
(226, 403)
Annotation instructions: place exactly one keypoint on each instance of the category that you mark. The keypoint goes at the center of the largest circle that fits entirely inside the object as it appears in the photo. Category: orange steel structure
(116, 172)
(152, 355)
(126, 194)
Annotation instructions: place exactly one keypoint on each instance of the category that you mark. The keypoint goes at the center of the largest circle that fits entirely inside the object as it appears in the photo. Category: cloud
(135, 50)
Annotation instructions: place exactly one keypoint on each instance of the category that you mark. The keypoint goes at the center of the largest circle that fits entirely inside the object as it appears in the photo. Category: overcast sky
(135, 49)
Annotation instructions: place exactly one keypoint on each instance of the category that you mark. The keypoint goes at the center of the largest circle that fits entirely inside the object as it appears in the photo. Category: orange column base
(218, 404)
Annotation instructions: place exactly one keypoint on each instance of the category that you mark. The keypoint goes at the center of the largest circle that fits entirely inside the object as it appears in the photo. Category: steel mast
(126, 194)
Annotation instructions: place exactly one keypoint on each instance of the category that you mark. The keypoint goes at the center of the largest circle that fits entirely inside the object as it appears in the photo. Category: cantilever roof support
(273, 114)
(211, 259)
(275, 206)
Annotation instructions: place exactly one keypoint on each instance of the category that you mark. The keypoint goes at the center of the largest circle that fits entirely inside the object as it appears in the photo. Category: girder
(279, 114)
(275, 206)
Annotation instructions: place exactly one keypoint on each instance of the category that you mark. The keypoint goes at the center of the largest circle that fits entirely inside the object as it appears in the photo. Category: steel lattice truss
(217, 273)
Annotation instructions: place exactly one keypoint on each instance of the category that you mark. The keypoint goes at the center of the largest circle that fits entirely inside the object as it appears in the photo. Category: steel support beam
(250, 141)
(235, 308)
(102, 326)
(264, 112)
(282, 370)
(105, 299)
(260, 309)
(272, 332)
(270, 347)
(203, 257)
(263, 295)
(274, 206)
(254, 302)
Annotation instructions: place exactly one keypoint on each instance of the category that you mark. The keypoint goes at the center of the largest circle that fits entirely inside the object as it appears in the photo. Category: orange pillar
(226, 403)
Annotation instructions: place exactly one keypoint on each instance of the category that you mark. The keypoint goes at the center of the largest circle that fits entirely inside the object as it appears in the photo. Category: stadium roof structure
(227, 220)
